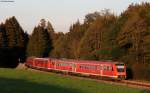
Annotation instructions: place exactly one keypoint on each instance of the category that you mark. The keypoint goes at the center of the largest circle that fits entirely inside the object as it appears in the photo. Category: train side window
(81, 67)
(110, 68)
(85, 67)
(105, 68)
(57, 64)
(93, 67)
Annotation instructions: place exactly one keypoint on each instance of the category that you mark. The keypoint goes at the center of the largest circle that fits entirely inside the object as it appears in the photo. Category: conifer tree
(3, 37)
(39, 42)
(12, 43)
(14, 33)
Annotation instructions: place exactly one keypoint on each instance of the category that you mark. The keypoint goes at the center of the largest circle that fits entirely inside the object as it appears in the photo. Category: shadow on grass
(24, 86)
(145, 91)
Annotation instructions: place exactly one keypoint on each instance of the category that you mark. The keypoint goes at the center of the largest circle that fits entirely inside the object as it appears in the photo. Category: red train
(115, 70)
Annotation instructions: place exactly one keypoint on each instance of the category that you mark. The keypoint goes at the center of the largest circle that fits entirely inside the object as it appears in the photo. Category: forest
(102, 36)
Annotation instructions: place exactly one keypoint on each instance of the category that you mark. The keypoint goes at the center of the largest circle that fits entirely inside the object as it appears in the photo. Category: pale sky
(61, 13)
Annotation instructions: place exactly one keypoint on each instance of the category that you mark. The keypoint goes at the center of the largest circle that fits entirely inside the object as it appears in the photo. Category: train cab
(120, 70)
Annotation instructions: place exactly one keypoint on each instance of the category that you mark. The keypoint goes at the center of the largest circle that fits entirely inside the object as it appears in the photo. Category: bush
(8, 58)
(129, 73)
(141, 71)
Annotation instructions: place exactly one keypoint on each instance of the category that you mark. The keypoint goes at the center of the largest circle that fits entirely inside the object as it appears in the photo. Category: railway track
(129, 83)
(137, 83)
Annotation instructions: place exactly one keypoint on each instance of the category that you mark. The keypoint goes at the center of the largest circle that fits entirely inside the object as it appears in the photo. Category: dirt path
(21, 66)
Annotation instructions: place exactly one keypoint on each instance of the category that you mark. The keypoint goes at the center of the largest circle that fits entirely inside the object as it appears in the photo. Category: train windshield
(120, 67)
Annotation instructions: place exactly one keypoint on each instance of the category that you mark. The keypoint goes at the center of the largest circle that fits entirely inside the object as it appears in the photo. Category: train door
(107, 70)
(73, 67)
(101, 69)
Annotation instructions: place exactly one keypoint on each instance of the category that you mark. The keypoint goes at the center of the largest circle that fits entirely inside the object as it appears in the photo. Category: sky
(61, 13)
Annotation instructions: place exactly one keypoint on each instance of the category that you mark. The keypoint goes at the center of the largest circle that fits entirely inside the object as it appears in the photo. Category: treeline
(13, 42)
(105, 36)
(102, 36)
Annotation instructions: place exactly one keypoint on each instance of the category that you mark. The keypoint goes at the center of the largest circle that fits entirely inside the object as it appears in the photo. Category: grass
(25, 81)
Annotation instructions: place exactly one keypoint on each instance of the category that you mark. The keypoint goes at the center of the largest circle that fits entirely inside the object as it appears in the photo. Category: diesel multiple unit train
(111, 69)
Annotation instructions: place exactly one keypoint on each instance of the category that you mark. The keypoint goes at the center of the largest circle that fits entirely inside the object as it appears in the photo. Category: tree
(96, 38)
(3, 38)
(134, 34)
(39, 42)
(12, 43)
(61, 49)
(51, 32)
(42, 23)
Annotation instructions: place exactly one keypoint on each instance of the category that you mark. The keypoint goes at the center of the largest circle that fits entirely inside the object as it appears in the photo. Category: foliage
(141, 71)
(39, 42)
(134, 32)
(13, 41)
(61, 49)
(104, 36)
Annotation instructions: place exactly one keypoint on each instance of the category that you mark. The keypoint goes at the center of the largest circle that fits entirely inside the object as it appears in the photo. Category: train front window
(120, 67)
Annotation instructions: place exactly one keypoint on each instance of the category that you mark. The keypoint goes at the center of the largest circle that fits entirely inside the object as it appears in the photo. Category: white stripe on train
(78, 72)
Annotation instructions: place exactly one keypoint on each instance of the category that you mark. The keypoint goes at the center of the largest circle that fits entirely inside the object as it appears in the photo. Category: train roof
(90, 61)
(81, 61)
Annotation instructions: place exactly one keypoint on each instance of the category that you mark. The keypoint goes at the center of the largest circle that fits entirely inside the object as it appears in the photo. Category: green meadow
(27, 81)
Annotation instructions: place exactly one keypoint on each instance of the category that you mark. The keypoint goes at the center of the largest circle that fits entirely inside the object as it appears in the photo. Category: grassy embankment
(24, 81)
